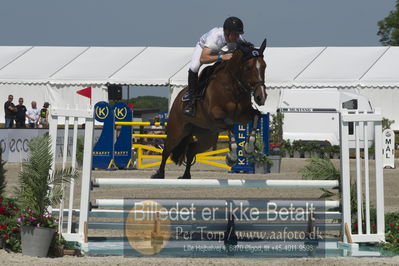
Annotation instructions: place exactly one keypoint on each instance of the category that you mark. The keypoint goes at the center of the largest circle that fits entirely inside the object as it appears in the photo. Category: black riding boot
(192, 87)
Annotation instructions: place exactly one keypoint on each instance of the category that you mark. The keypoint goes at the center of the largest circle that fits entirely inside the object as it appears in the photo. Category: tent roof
(286, 67)
(97, 64)
(340, 65)
(154, 66)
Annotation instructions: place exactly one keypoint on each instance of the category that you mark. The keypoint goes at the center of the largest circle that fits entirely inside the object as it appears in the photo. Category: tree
(389, 28)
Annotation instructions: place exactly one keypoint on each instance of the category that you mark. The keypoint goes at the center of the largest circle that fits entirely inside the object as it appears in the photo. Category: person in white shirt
(33, 115)
(207, 51)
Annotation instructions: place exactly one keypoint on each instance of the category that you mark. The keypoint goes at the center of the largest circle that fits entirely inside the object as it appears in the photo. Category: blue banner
(123, 145)
(103, 151)
(241, 133)
(163, 117)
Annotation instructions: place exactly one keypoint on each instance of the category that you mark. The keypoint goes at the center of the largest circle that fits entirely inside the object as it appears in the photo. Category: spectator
(33, 115)
(43, 119)
(21, 114)
(157, 130)
(9, 111)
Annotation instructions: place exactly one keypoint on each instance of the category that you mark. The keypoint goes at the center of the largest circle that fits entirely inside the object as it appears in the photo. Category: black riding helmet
(234, 24)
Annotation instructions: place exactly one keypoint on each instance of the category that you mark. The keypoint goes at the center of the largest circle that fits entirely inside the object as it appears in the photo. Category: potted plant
(38, 190)
(336, 151)
(286, 149)
(372, 152)
(260, 160)
(275, 158)
(297, 147)
(315, 149)
(326, 151)
(307, 149)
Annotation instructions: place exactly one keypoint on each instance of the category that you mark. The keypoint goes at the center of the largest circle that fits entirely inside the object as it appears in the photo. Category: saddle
(203, 81)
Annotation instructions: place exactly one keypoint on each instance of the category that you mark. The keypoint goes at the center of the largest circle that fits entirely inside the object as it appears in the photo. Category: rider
(207, 51)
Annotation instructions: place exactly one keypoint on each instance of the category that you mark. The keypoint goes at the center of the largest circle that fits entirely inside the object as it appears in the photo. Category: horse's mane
(243, 47)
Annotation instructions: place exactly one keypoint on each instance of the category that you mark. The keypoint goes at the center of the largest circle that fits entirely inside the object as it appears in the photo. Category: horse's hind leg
(173, 139)
(203, 143)
(160, 174)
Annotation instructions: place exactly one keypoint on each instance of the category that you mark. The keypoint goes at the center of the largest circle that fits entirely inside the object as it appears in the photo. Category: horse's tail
(179, 152)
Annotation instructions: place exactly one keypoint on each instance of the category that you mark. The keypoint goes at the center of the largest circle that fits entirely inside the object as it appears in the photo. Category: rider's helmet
(234, 24)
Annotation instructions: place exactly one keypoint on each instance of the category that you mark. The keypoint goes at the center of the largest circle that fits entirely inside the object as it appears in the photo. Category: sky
(180, 23)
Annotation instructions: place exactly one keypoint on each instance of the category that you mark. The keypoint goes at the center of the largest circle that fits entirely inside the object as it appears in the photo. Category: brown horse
(227, 100)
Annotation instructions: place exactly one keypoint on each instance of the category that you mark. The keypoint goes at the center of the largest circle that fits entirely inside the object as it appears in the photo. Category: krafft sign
(388, 148)
(103, 151)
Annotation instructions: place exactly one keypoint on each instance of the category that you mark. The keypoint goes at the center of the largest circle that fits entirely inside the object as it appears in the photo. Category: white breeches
(195, 60)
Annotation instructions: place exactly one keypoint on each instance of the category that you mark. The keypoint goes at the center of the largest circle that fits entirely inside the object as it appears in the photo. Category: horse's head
(252, 71)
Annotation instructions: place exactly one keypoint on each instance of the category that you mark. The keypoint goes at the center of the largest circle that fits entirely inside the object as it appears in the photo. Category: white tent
(54, 74)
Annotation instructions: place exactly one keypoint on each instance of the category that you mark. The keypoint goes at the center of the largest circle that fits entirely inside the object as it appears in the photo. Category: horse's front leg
(249, 146)
(231, 156)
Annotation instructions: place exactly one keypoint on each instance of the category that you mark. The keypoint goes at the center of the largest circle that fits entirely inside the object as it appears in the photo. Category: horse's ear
(263, 46)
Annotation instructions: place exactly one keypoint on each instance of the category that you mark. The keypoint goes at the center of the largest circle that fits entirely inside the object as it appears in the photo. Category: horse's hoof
(184, 177)
(231, 159)
(158, 175)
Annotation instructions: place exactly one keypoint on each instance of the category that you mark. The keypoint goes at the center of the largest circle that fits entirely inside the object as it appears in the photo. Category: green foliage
(39, 189)
(327, 150)
(320, 169)
(287, 148)
(391, 233)
(276, 128)
(308, 147)
(298, 145)
(153, 102)
(386, 123)
(2, 175)
(389, 28)
(30, 218)
(10, 223)
(79, 150)
(57, 246)
(336, 149)
(258, 156)
(9, 227)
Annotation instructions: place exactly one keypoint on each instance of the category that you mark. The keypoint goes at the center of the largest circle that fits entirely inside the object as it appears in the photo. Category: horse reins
(246, 87)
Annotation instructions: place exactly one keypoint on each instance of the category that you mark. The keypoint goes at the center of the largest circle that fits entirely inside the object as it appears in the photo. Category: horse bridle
(247, 87)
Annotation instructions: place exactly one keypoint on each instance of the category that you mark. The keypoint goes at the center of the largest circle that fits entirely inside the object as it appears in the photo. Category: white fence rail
(71, 117)
(361, 122)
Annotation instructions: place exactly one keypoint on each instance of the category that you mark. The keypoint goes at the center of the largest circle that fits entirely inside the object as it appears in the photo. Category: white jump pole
(217, 183)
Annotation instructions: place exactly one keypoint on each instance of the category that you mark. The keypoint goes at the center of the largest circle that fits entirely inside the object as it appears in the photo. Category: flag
(86, 92)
